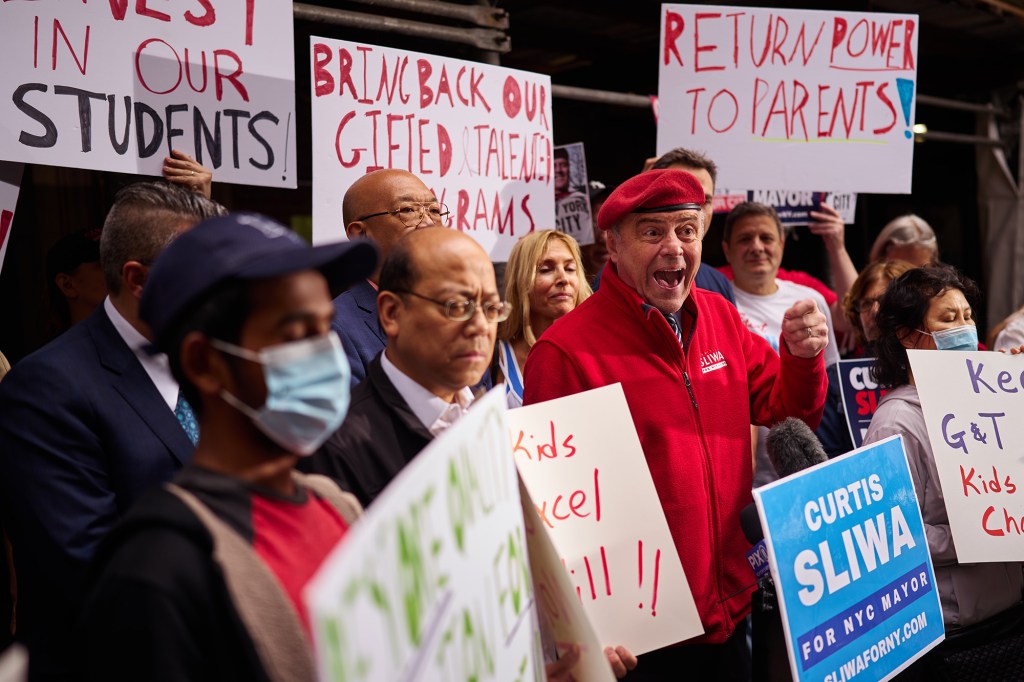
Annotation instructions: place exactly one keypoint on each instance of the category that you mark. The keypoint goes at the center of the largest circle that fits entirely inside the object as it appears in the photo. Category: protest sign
(559, 609)
(794, 208)
(848, 552)
(791, 99)
(479, 136)
(973, 404)
(434, 581)
(10, 185)
(861, 394)
(572, 194)
(582, 462)
(116, 85)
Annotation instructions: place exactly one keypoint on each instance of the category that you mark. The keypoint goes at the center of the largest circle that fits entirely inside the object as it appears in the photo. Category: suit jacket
(83, 432)
(379, 436)
(355, 320)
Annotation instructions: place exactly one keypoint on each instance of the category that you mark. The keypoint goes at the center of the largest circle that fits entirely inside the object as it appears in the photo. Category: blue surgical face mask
(957, 338)
(308, 385)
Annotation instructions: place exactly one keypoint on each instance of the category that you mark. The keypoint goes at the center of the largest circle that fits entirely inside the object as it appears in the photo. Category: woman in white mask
(930, 308)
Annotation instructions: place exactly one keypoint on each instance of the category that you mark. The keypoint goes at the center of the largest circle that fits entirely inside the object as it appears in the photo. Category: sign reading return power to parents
(832, 93)
(974, 407)
(478, 135)
(115, 84)
(582, 462)
(433, 583)
(850, 559)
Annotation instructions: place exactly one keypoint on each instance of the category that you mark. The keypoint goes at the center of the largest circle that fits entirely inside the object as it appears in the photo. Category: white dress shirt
(435, 413)
(157, 366)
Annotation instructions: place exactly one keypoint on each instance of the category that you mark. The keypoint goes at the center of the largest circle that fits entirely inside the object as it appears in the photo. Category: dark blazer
(83, 432)
(378, 438)
(355, 320)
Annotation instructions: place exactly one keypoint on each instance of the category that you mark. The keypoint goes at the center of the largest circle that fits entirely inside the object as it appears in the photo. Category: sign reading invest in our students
(115, 85)
(848, 552)
(791, 99)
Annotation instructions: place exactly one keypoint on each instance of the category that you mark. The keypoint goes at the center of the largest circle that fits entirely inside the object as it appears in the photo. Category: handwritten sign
(973, 404)
(794, 208)
(478, 135)
(434, 581)
(582, 461)
(860, 396)
(847, 549)
(572, 195)
(559, 609)
(116, 85)
(10, 186)
(831, 93)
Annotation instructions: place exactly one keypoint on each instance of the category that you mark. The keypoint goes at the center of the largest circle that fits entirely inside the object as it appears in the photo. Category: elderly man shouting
(695, 378)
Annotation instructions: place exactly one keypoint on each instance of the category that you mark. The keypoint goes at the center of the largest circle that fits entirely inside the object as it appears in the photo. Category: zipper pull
(689, 389)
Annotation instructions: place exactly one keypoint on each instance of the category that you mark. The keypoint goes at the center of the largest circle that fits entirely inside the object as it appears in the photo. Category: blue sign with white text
(851, 565)
(860, 396)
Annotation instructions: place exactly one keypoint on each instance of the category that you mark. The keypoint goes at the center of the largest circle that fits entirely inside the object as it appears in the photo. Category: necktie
(676, 329)
(187, 418)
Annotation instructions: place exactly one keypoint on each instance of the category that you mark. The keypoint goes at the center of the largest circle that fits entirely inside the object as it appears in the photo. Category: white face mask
(308, 384)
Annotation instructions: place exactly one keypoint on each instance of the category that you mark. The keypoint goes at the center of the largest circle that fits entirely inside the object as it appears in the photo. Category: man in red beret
(695, 378)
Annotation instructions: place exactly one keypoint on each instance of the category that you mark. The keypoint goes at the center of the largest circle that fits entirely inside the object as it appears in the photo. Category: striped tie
(676, 329)
(187, 418)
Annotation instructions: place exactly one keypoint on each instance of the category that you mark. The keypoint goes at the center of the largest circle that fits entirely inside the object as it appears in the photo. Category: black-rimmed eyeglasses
(412, 214)
(462, 309)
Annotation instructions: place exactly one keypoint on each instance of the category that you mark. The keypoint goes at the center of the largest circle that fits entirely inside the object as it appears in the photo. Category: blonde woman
(544, 280)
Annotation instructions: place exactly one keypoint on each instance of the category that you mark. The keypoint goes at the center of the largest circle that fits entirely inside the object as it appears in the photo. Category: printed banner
(478, 135)
(860, 396)
(582, 462)
(434, 581)
(794, 208)
(848, 552)
(10, 186)
(973, 404)
(572, 194)
(791, 99)
(116, 85)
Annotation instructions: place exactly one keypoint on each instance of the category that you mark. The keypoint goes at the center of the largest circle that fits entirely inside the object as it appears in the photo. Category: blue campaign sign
(860, 396)
(848, 552)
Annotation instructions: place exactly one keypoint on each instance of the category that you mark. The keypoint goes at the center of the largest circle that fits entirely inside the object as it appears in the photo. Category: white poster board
(582, 462)
(573, 214)
(116, 85)
(791, 99)
(973, 405)
(434, 581)
(478, 135)
(10, 185)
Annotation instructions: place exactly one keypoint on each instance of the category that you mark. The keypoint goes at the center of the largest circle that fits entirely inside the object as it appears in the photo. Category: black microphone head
(793, 447)
(750, 522)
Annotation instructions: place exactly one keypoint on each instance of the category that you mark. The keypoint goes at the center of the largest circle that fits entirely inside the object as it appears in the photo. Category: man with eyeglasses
(440, 309)
(381, 206)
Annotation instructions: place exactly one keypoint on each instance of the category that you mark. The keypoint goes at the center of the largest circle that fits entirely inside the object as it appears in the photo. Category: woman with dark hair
(929, 308)
(860, 305)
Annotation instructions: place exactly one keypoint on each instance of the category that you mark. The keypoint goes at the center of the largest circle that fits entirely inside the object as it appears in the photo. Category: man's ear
(389, 308)
(203, 365)
(611, 242)
(66, 285)
(356, 229)
(133, 277)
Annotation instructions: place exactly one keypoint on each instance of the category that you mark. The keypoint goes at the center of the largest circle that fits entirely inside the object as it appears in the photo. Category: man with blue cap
(204, 578)
(695, 378)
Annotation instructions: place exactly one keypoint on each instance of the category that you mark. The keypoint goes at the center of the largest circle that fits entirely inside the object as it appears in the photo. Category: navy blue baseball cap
(240, 246)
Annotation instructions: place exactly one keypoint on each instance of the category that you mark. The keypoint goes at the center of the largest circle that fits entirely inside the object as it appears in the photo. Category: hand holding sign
(804, 329)
(184, 171)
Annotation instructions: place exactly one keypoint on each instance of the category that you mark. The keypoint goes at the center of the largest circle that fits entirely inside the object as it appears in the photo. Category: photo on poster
(573, 215)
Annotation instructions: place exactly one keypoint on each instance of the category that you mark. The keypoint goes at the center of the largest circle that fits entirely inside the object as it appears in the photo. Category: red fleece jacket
(696, 440)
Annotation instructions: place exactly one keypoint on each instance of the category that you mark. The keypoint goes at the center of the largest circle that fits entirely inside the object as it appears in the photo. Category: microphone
(793, 447)
(750, 522)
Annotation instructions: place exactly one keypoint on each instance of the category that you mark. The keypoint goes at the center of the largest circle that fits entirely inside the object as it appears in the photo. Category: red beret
(655, 191)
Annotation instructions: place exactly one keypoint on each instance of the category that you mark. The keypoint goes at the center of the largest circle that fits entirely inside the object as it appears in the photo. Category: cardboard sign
(974, 406)
(860, 396)
(572, 194)
(434, 581)
(791, 99)
(479, 136)
(794, 208)
(10, 186)
(559, 608)
(582, 462)
(848, 552)
(116, 85)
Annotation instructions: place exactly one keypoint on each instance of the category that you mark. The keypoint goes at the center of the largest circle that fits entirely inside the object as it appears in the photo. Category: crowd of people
(176, 465)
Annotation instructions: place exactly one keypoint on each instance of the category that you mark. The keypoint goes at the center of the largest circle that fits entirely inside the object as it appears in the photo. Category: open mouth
(668, 279)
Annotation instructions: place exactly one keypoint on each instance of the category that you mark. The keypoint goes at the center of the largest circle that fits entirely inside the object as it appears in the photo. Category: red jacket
(696, 440)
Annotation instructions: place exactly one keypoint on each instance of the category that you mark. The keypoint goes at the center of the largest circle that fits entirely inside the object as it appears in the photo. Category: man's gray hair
(145, 218)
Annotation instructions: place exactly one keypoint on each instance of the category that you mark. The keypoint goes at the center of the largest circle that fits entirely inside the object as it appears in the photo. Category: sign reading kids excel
(830, 93)
(581, 460)
(850, 559)
(973, 404)
(433, 582)
(116, 84)
(478, 135)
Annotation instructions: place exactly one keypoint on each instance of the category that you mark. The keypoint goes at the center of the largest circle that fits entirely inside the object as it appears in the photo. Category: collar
(156, 365)
(434, 413)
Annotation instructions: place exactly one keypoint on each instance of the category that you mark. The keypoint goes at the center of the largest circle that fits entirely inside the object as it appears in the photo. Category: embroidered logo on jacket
(711, 361)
